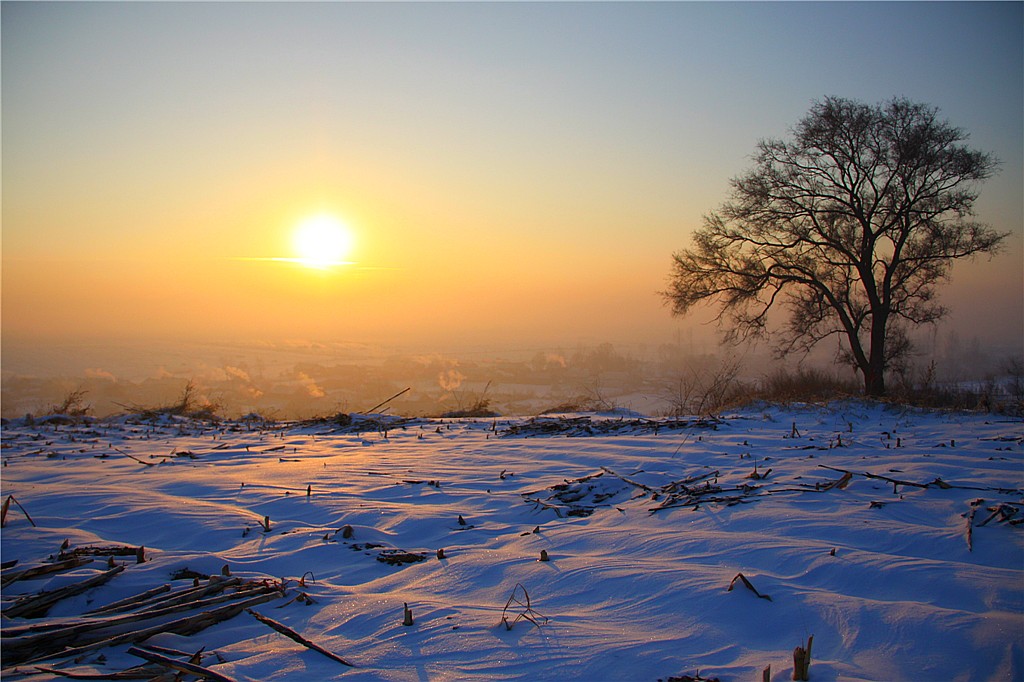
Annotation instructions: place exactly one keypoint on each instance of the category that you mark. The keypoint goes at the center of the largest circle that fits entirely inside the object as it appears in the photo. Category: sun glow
(321, 241)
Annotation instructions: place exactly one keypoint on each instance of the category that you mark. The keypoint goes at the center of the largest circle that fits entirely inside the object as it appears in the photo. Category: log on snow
(129, 602)
(183, 626)
(39, 604)
(88, 631)
(43, 569)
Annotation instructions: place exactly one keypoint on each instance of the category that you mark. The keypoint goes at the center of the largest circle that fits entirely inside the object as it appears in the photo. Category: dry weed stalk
(7, 505)
(526, 610)
(748, 584)
(72, 405)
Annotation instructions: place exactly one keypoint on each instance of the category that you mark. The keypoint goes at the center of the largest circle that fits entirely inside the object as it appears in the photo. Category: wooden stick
(750, 586)
(970, 523)
(183, 666)
(100, 550)
(291, 634)
(139, 672)
(685, 483)
(140, 461)
(799, 655)
(841, 483)
(192, 594)
(545, 505)
(632, 483)
(44, 569)
(40, 603)
(938, 482)
(25, 511)
(1004, 510)
(88, 631)
(183, 626)
(166, 651)
(380, 405)
(894, 481)
(129, 602)
(807, 659)
(6, 506)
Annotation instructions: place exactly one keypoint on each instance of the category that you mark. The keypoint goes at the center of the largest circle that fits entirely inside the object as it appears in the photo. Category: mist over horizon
(294, 379)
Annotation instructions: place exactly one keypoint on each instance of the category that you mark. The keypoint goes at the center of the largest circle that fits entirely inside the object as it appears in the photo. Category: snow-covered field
(645, 523)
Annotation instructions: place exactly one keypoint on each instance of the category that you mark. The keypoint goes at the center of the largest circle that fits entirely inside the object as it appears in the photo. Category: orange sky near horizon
(511, 173)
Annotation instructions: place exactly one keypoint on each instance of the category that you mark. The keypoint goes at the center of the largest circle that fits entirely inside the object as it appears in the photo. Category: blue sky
(542, 158)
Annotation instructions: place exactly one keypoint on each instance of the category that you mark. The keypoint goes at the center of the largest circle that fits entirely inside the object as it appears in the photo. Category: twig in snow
(140, 461)
(552, 507)
(749, 585)
(970, 523)
(183, 666)
(1006, 512)
(183, 626)
(6, 505)
(39, 604)
(34, 571)
(840, 483)
(130, 602)
(380, 405)
(938, 482)
(895, 481)
(139, 672)
(292, 635)
(632, 483)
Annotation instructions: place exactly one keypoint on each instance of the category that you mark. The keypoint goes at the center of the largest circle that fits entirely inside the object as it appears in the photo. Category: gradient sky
(512, 173)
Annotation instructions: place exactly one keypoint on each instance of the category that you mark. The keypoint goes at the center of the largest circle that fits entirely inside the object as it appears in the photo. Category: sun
(321, 241)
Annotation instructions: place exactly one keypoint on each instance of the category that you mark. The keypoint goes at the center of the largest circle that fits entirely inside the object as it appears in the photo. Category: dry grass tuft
(73, 405)
(189, 404)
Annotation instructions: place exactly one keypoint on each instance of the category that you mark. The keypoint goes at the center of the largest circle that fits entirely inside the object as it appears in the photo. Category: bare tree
(849, 227)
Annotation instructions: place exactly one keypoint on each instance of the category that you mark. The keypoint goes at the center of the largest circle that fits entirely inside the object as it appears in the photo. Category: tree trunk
(874, 382)
(874, 371)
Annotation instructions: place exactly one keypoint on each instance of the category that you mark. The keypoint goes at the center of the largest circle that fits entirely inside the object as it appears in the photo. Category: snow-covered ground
(645, 523)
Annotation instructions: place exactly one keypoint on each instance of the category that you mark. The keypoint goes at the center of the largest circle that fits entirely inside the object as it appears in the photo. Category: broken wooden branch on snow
(292, 635)
(544, 504)
(140, 672)
(6, 505)
(635, 484)
(129, 602)
(970, 523)
(43, 569)
(183, 626)
(749, 585)
(96, 635)
(40, 603)
(183, 666)
(140, 461)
